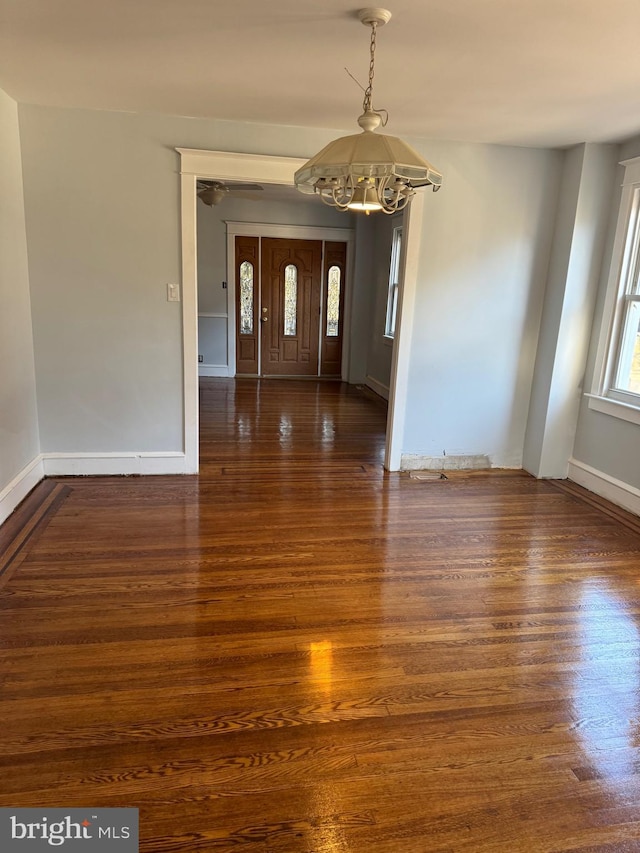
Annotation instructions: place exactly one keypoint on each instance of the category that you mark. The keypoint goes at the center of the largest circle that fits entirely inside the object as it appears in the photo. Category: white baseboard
(213, 370)
(17, 490)
(616, 491)
(116, 464)
(418, 462)
(380, 389)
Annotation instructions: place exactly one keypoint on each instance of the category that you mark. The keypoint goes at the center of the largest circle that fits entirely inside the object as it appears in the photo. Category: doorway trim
(198, 163)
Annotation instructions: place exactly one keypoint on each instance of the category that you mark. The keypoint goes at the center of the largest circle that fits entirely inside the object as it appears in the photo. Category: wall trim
(380, 389)
(17, 490)
(289, 232)
(614, 490)
(213, 370)
(114, 464)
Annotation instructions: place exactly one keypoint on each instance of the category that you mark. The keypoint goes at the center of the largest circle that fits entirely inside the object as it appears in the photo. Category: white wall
(19, 445)
(483, 265)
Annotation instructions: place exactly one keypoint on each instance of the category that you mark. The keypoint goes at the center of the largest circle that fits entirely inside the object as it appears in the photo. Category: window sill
(614, 408)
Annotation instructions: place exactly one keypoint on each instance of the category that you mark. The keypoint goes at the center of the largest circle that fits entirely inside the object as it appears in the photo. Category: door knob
(264, 317)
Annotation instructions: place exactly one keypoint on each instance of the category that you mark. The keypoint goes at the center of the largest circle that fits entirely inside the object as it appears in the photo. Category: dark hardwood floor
(297, 652)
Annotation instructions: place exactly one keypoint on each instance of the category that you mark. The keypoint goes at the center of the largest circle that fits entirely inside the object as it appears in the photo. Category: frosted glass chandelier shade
(368, 155)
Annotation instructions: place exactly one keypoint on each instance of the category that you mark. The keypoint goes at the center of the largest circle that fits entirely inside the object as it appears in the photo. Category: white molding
(380, 389)
(615, 408)
(221, 314)
(614, 490)
(230, 166)
(631, 170)
(231, 300)
(213, 370)
(17, 490)
(401, 354)
(114, 464)
(418, 462)
(189, 322)
(289, 232)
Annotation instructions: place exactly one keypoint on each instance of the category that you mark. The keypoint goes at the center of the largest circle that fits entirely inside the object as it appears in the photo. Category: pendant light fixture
(367, 171)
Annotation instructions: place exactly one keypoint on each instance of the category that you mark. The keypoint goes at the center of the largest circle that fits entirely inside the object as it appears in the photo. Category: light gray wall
(608, 444)
(483, 265)
(19, 443)
(212, 254)
(380, 348)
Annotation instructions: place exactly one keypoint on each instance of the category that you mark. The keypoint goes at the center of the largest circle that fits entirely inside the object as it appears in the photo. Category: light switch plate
(173, 293)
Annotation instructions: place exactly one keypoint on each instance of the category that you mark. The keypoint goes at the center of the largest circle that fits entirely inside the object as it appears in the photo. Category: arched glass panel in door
(290, 299)
(333, 302)
(246, 298)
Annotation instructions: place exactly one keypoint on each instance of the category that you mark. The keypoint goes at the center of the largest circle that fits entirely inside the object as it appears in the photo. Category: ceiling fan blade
(252, 187)
(249, 196)
(204, 184)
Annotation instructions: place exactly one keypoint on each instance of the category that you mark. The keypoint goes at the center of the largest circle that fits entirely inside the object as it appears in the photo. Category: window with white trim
(394, 279)
(616, 388)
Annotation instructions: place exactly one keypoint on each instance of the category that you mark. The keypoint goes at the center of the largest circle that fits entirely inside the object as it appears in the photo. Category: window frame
(394, 283)
(622, 290)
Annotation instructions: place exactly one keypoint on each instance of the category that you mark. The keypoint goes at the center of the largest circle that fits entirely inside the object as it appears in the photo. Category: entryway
(289, 306)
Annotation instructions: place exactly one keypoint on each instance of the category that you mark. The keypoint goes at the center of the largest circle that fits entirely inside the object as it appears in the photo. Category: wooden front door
(281, 329)
(290, 307)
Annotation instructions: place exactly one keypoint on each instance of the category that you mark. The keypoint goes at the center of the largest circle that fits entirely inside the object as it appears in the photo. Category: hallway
(295, 651)
(289, 424)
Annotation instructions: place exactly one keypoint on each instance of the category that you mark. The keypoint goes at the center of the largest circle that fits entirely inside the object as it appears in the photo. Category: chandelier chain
(368, 91)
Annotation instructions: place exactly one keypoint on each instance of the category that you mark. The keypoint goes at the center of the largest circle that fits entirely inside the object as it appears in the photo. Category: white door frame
(197, 163)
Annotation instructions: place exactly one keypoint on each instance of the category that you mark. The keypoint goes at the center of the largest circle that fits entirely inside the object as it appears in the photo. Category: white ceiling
(527, 72)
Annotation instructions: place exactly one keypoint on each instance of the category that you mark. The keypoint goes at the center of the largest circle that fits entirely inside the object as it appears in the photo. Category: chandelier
(367, 171)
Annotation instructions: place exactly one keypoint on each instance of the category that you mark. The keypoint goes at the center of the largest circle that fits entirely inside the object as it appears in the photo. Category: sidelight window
(246, 298)
(290, 299)
(333, 302)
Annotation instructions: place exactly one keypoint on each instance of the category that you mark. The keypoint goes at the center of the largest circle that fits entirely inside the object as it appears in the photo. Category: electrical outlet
(200, 359)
